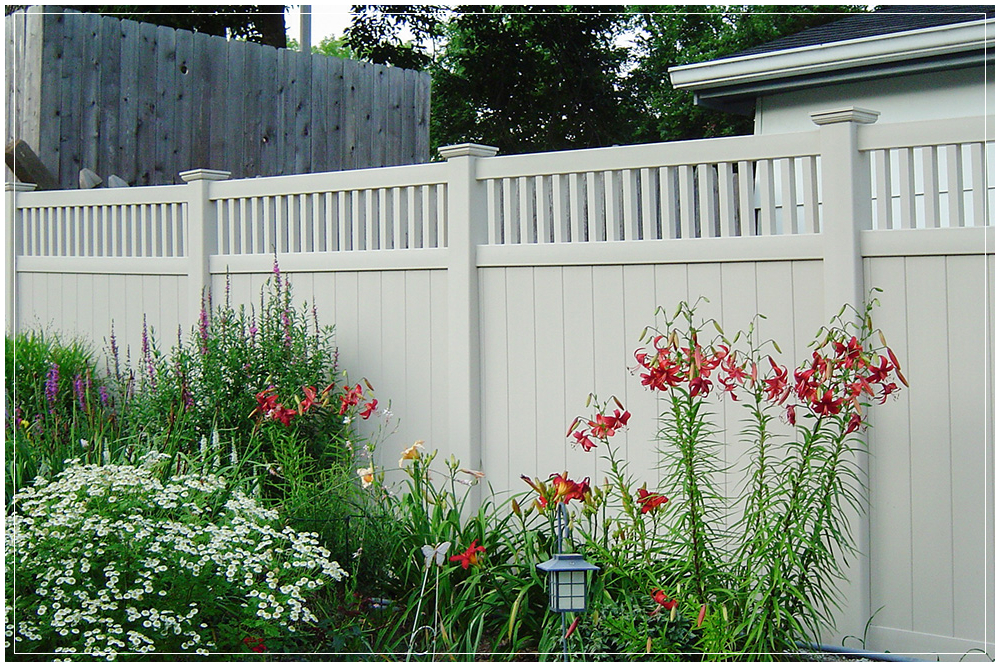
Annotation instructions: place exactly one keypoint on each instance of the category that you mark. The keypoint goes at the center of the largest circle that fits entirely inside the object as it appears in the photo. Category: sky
(328, 18)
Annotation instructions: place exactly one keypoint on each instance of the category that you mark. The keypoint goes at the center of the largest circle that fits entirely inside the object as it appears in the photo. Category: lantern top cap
(566, 563)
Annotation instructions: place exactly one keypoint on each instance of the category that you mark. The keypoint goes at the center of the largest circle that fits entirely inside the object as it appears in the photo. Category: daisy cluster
(110, 560)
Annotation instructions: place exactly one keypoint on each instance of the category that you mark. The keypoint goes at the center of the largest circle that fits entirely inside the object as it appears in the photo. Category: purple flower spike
(52, 386)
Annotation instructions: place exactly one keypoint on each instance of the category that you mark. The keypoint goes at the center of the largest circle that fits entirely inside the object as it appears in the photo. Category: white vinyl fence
(486, 296)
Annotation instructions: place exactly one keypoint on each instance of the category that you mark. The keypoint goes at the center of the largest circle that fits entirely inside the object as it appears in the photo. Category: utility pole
(305, 28)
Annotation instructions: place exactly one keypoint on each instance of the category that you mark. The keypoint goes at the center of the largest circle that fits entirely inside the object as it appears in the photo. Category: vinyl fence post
(846, 210)
(466, 229)
(11, 190)
(201, 234)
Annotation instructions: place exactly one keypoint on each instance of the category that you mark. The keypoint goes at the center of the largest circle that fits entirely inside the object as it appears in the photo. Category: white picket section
(532, 275)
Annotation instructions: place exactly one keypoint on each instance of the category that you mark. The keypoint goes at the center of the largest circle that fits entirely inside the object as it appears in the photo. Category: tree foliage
(536, 78)
(264, 24)
(674, 35)
(529, 79)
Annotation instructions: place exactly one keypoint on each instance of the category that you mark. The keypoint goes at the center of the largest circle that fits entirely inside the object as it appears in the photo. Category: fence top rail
(665, 154)
(152, 194)
(333, 181)
(927, 133)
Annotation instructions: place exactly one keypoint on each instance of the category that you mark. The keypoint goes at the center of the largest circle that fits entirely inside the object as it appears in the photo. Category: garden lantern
(567, 582)
(567, 575)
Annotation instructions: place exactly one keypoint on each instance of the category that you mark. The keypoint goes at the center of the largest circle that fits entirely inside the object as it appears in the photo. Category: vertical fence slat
(492, 236)
(442, 215)
(907, 189)
(592, 206)
(524, 209)
(978, 184)
(765, 171)
(411, 218)
(396, 196)
(646, 179)
(932, 202)
(508, 211)
(427, 223)
(610, 207)
(956, 195)
(746, 203)
(576, 214)
(810, 194)
(687, 200)
(559, 228)
(542, 232)
(630, 204)
(669, 202)
(789, 197)
(706, 203)
(882, 169)
(727, 205)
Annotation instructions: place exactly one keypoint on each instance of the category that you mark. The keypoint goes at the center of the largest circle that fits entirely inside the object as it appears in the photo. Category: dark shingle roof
(887, 20)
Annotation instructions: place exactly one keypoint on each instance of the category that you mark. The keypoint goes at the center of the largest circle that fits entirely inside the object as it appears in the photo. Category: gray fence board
(145, 103)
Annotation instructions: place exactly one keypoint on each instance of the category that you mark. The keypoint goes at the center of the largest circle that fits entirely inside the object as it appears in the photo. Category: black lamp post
(567, 577)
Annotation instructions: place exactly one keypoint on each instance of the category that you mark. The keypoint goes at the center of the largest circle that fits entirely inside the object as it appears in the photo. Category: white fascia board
(826, 58)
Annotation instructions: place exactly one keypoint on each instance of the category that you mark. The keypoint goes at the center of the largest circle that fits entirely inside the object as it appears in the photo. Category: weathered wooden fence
(487, 296)
(147, 102)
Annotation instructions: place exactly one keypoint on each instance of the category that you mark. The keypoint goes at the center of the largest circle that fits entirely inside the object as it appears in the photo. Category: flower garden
(228, 498)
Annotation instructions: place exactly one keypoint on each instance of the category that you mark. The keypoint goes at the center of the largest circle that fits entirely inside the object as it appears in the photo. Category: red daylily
(370, 407)
(663, 600)
(650, 501)
(469, 556)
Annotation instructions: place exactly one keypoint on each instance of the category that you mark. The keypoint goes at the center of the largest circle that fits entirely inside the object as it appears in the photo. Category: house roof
(895, 40)
(885, 21)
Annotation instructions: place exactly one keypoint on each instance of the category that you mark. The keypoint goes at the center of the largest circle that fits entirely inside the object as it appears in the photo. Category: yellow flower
(367, 476)
(411, 453)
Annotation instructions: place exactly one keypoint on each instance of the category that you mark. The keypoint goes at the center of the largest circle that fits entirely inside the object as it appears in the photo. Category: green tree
(673, 35)
(528, 79)
(375, 33)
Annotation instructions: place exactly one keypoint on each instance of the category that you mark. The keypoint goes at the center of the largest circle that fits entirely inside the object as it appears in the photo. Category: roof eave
(928, 48)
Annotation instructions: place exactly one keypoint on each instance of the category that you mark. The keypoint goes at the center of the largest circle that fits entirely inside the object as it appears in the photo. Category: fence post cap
(848, 114)
(19, 187)
(204, 175)
(471, 150)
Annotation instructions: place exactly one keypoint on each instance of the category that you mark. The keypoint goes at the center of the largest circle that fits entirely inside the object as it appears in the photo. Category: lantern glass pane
(569, 591)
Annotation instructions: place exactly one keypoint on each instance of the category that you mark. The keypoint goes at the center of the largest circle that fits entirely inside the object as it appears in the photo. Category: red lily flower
(469, 556)
(572, 627)
(849, 354)
(584, 441)
(661, 599)
(805, 384)
(649, 501)
(881, 372)
(790, 414)
(370, 407)
(309, 400)
(854, 423)
(700, 385)
(777, 384)
(888, 389)
(827, 405)
(350, 397)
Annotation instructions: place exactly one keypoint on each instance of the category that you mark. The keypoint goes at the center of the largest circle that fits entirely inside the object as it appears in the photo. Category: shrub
(109, 560)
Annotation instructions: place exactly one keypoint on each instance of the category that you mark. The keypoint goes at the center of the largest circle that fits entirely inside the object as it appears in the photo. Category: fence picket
(956, 193)
(932, 202)
(907, 189)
